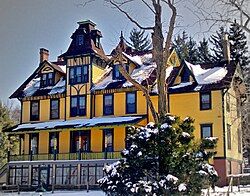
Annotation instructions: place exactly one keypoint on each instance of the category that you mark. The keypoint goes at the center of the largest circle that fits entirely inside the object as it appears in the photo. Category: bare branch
(138, 86)
(148, 6)
(118, 6)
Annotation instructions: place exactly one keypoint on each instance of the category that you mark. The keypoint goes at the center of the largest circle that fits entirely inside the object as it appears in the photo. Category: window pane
(85, 73)
(34, 111)
(54, 109)
(82, 105)
(205, 101)
(79, 74)
(130, 103)
(34, 144)
(206, 131)
(108, 104)
(108, 140)
(73, 106)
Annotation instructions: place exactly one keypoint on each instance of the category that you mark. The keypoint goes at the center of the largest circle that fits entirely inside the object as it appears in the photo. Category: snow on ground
(57, 193)
(244, 191)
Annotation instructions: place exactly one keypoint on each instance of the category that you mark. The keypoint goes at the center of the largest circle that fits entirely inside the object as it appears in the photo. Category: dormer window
(47, 79)
(79, 40)
(117, 74)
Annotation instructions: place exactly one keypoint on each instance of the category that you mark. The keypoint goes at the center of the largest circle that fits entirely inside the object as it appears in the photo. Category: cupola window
(80, 40)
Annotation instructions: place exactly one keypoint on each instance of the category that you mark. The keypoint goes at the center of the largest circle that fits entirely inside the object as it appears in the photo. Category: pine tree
(204, 55)
(217, 42)
(186, 48)
(238, 45)
(161, 160)
(139, 42)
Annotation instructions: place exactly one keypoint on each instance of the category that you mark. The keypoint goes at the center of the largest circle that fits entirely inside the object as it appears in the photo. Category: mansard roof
(31, 87)
(87, 30)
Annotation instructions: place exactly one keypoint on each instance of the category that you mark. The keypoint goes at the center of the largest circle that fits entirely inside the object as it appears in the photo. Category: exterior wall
(188, 104)
(232, 119)
(97, 72)
(44, 110)
(26, 111)
(43, 142)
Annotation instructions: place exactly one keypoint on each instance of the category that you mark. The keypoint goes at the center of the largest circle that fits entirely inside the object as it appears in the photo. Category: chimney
(44, 54)
(226, 48)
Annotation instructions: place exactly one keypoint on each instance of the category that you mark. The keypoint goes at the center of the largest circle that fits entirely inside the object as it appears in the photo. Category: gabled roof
(31, 86)
(207, 77)
(144, 73)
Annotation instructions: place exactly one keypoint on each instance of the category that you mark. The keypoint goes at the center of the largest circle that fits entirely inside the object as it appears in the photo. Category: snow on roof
(135, 59)
(77, 123)
(140, 74)
(207, 76)
(59, 87)
(181, 85)
(32, 87)
(63, 68)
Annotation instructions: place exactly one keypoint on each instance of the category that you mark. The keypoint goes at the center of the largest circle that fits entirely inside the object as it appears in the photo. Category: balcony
(67, 156)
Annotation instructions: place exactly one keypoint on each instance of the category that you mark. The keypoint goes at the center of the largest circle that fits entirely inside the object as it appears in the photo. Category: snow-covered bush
(161, 160)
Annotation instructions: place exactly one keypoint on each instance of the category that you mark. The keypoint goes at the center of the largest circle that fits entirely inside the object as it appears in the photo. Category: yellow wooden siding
(96, 140)
(26, 144)
(119, 104)
(141, 103)
(43, 143)
(231, 118)
(97, 72)
(26, 111)
(98, 105)
(188, 104)
(64, 141)
(44, 110)
(119, 138)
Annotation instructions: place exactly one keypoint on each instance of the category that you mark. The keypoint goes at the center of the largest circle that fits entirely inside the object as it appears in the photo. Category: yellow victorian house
(76, 110)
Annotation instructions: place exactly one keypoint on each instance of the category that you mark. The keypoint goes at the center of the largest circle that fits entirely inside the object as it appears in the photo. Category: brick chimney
(226, 48)
(44, 54)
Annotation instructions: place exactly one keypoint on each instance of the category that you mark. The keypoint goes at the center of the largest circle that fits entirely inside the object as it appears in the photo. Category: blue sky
(27, 25)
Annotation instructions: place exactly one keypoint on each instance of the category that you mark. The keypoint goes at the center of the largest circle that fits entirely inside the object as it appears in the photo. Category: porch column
(8, 149)
(79, 145)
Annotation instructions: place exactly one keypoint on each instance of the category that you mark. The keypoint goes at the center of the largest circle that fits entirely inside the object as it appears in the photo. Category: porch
(66, 156)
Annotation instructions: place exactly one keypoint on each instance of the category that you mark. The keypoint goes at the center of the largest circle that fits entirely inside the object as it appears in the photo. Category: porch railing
(67, 156)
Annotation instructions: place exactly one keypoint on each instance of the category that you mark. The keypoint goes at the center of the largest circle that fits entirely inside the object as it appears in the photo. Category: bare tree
(218, 12)
(161, 41)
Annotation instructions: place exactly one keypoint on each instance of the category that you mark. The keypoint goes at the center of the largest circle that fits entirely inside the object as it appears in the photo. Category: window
(108, 140)
(108, 104)
(131, 102)
(34, 110)
(127, 143)
(239, 140)
(47, 79)
(79, 40)
(229, 141)
(53, 142)
(79, 140)
(34, 143)
(78, 74)
(97, 42)
(206, 130)
(205, 101)
(54, 108)
(117, 74)
(78, 105)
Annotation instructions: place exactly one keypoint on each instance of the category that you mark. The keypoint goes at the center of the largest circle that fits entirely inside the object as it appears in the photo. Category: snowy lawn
(57, 193)
(218, 192)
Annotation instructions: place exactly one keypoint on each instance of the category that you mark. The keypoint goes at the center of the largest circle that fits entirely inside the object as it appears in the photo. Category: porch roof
(77, 123)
